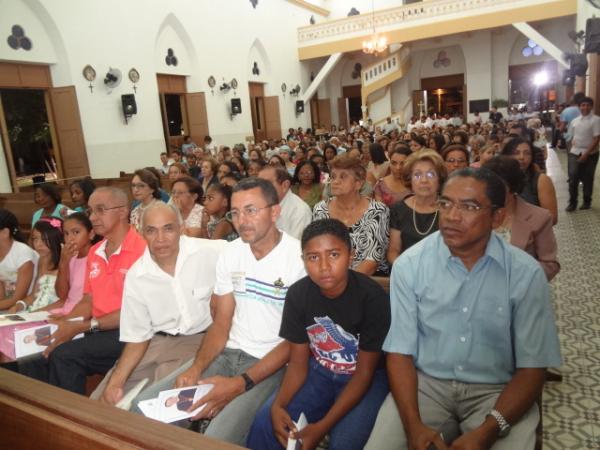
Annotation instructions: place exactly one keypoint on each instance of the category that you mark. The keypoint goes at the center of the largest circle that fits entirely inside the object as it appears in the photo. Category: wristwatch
(248, 381)
(94, 325)
(503, 425)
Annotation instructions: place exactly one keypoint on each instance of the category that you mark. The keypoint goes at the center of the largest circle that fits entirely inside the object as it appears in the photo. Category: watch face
(211, 81)
(134, 75)
(89, 73)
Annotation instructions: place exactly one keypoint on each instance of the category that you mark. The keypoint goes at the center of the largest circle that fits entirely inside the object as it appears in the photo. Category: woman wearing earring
(416, 216)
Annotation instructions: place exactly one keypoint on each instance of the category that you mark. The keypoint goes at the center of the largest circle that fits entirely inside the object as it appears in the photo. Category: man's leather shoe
(585, 206)
(571, 208)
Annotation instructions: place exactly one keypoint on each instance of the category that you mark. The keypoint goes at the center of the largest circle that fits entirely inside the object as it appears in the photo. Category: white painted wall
(208, 39)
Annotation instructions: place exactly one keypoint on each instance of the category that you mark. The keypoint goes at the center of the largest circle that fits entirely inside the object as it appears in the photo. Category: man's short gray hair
(118, 194)
(160, 205)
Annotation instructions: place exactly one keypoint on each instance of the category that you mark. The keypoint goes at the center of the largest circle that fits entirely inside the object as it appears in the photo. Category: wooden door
(196, 116)
(257, 111)
(325, 113)
(64, 115)
(272, 120)
(342, 112)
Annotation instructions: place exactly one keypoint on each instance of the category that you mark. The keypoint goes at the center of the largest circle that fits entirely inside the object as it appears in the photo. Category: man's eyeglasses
(100, 210)
(248, 211)
(446, 205)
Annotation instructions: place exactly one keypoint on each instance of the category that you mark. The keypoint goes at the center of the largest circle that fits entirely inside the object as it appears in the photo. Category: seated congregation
(261, 271)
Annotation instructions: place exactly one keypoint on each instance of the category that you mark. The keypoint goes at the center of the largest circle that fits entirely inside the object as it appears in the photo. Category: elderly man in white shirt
(295, 213)
(166, 303)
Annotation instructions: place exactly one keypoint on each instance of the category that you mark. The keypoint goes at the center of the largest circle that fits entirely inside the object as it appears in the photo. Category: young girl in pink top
(79, 237)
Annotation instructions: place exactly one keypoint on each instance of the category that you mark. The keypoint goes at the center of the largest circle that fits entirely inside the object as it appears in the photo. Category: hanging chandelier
(375, 44)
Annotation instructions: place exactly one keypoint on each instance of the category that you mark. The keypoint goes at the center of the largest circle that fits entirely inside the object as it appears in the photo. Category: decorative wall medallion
(234, 83)
(254, 3)
(356, 71)
(442, 60)
(171, 59)
(255, 69)
(17, 39)
(134, 75)
(312, 20)
(90, 75)
(532, 49)
(211, 81)
(353, 12)
(283, 87)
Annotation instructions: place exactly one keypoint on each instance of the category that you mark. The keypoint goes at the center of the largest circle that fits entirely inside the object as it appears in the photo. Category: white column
(323, 73)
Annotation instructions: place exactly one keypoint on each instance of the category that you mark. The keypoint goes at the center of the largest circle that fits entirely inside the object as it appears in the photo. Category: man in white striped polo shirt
(242, 353)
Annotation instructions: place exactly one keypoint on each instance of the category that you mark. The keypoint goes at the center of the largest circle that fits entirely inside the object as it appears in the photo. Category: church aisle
(572, 407)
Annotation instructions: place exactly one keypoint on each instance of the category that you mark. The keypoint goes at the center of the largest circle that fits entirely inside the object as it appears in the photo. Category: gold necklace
(426, 232)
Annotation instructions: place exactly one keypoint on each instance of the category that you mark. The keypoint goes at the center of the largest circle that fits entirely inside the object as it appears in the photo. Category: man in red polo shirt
(70, 361)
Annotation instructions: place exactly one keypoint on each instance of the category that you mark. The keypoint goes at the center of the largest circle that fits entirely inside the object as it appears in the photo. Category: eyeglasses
(138, 185)
(446, 206)
(248, 211)
(100, 210)
(456, 161)
(430, 175)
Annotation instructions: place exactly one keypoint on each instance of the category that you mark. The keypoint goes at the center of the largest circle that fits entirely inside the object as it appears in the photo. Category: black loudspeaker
(579, 64)
(129, 105)
(299, 106)
(568, 78)
(236, 106)
(592, 36)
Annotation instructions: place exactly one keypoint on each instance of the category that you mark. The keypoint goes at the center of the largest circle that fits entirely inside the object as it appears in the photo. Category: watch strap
(503, 425)
(249, 382)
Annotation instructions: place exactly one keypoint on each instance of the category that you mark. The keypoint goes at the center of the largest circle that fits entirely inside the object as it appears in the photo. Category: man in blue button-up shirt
(472, 331)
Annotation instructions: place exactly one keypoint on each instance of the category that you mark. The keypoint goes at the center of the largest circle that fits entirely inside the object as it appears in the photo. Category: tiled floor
(572, 407)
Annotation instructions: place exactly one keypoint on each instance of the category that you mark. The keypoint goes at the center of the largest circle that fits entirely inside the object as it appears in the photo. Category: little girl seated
(47, 239)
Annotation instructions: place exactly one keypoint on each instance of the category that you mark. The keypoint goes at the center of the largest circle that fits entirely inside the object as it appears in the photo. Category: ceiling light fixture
(375, 44)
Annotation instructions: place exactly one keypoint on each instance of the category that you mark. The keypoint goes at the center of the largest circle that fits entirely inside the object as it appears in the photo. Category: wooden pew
(21, 204)
(37, 415)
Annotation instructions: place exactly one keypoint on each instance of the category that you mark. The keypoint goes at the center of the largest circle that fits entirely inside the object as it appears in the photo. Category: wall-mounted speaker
(129, 105)
(236, 106)
(568, 78)
(579, 64)
(299, 106)
(592, 35)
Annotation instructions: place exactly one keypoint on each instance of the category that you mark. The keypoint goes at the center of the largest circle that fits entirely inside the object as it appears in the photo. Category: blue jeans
(315, 398)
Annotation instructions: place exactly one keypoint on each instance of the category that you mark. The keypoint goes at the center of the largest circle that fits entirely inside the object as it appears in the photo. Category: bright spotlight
(540, 78)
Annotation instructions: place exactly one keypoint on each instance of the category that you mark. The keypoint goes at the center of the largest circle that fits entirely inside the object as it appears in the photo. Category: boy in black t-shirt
(335, 320)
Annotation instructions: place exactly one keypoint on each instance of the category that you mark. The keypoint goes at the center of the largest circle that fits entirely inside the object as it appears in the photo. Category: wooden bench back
(21, 204)
(37, 415)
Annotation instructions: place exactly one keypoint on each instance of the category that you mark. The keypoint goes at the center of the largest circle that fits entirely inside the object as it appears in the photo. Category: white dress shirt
(295, 215)
(153, 300)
